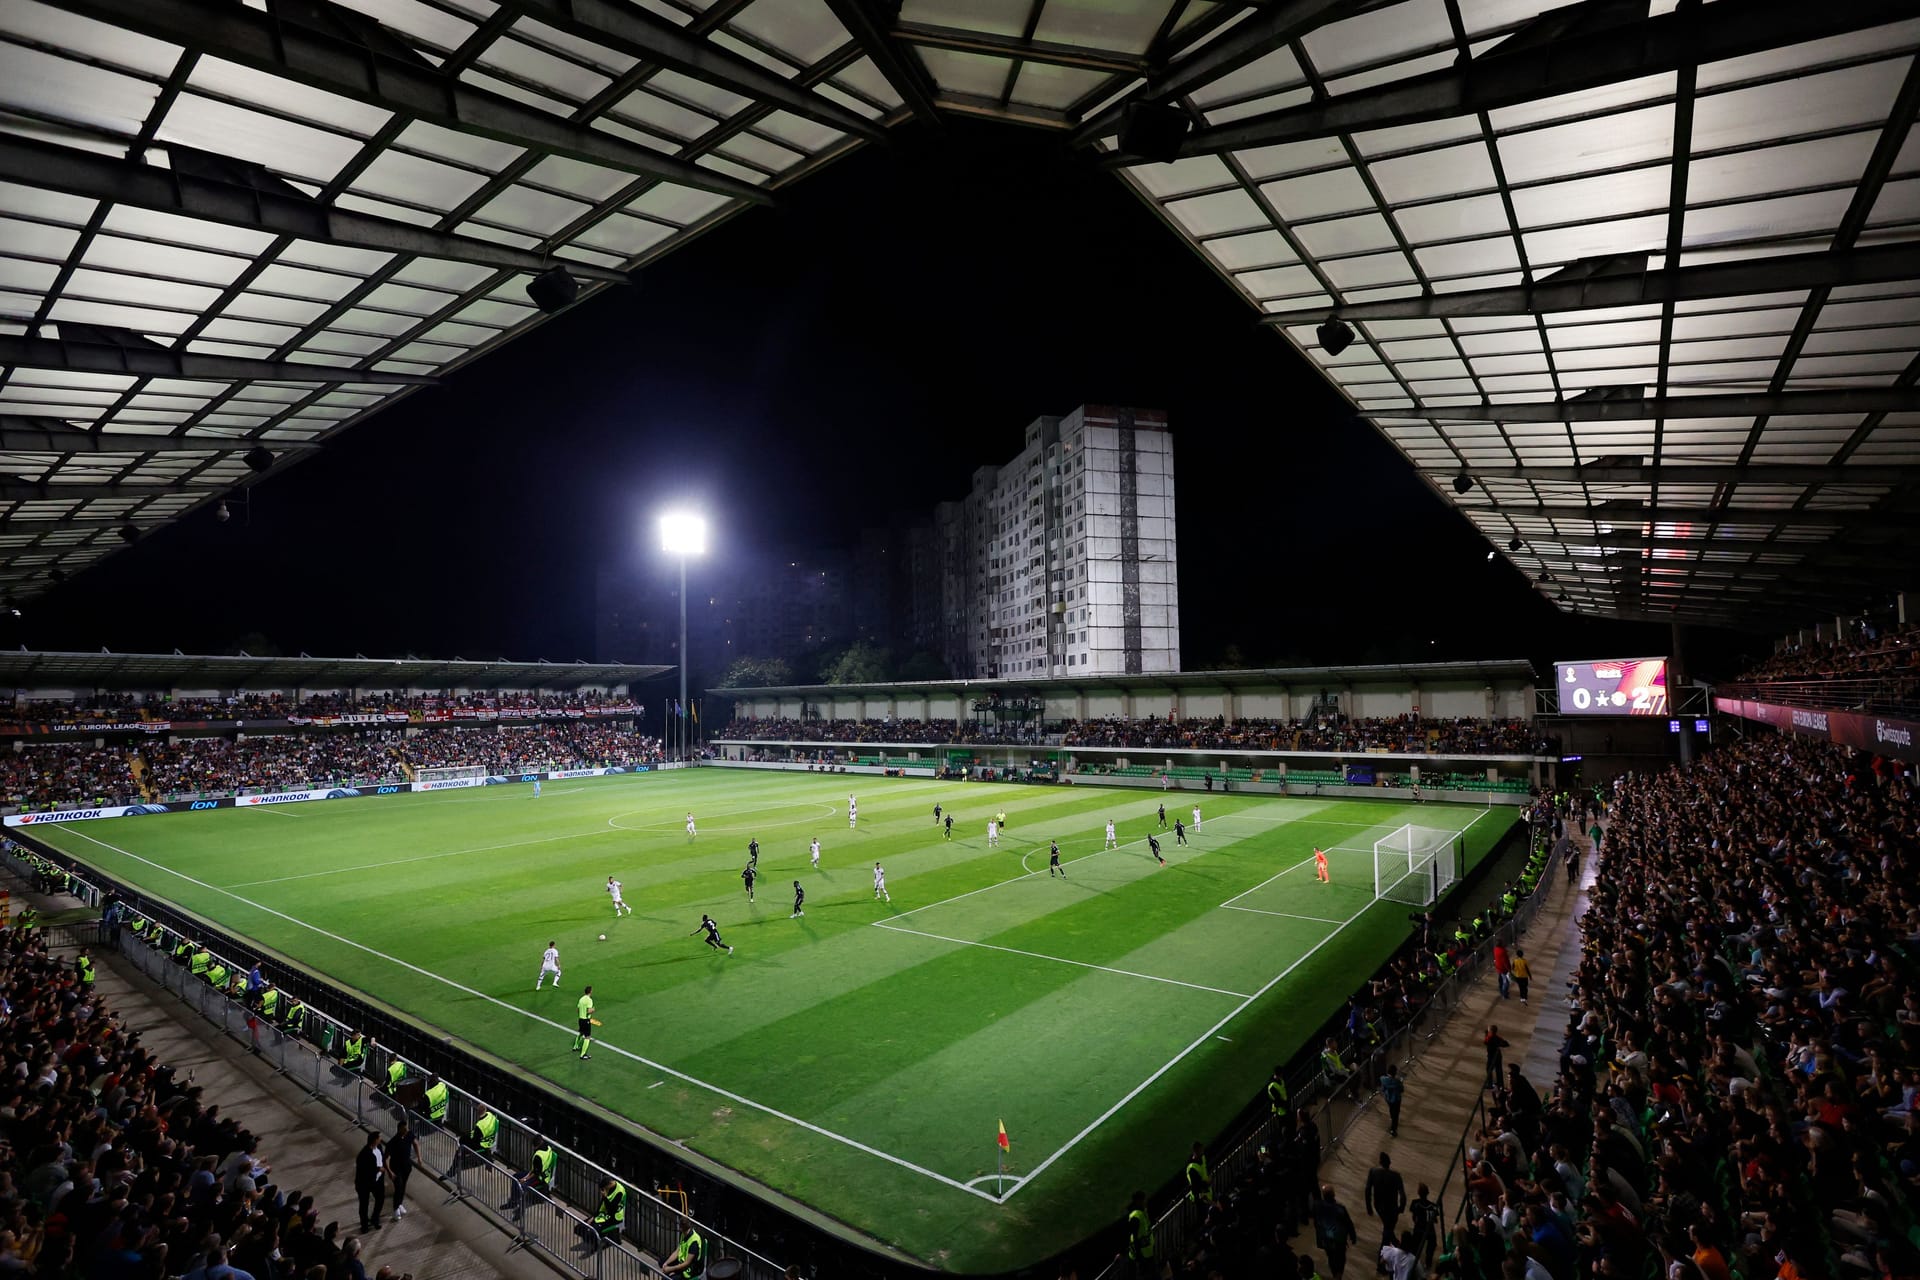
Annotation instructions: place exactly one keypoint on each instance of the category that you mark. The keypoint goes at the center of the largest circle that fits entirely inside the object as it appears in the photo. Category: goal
(457, 771)
(1415, 865)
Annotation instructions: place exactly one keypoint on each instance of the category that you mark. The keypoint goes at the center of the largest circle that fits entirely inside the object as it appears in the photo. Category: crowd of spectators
(1401, 734)
(40, 774)
(567, 744)
(113, 1165)
(272, 762)
(1739, 1075)
(1872, 652)
(130, 708)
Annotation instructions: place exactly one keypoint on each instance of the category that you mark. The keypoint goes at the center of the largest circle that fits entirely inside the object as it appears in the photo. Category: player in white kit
(853, 812)
(1113, 841)
(619, 905)
(549, 964)
(1196, 819)
(814, 851)
(993, 834)
(691, 833)
(880, 883)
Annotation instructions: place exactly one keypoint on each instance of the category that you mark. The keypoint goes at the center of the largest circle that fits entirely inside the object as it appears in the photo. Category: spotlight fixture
(258, 458)
(1462, 483)
(1335, 335)
(553, 290)
(1514, 544)
(128, 533)
(1491, 553)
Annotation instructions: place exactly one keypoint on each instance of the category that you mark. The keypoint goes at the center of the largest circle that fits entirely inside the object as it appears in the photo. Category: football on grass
(603, 937)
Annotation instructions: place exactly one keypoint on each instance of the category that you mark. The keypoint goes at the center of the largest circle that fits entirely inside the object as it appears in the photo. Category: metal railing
(1893, 694)
(307, 1055)
(1335, 1105)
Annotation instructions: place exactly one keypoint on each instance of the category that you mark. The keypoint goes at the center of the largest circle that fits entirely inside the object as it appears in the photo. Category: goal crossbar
(1415, 865)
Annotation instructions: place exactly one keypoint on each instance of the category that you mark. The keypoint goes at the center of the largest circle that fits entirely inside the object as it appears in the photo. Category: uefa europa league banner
(1882, 735)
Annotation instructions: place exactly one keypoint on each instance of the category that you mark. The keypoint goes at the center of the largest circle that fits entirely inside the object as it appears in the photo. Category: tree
(860, 663)
(756, 673)
(923, 666)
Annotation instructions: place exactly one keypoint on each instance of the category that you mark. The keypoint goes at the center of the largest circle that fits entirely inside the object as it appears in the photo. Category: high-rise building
(1064, 559)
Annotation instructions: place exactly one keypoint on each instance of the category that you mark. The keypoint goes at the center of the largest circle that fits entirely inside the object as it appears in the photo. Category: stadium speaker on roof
(258, 458)
(1462, 483)
(1153, 130)
(1514, 544)
(553, 290)
(1335, 335)
(56, 575)
(1545, 576)
(128, 533)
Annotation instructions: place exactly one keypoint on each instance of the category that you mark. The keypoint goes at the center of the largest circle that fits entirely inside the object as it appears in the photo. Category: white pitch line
(1284, 914)
(1269, 880)
(1171, 1063)
(662, 1068)
(1081, 964)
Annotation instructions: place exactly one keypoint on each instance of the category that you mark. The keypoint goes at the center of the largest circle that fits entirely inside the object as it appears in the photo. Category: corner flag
(1004, 1144)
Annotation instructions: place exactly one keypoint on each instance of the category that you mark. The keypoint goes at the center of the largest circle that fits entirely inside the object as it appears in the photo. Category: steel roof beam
(161, 362)
(1248, 40)
(987, 44)
(1625, 281)
(1765, 517)
(19, 524)
(1707, 473)
(898, 66)
(27, 434)
(266, 205)
(1517, 72)
(1637, 408)
(631, 29)
(388, 78)
(14, 489)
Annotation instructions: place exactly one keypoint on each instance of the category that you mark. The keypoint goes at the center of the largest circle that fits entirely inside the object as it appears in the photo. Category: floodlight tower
(683, 534)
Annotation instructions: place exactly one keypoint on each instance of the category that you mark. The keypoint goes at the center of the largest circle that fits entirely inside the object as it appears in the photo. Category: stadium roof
(24, 669)
(1255, 678)
(1646, 273)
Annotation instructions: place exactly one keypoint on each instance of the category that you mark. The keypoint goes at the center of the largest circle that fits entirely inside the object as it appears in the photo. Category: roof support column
(1676, 677)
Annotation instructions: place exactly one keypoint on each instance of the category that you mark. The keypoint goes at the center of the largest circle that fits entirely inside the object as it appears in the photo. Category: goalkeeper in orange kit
(1320, 867)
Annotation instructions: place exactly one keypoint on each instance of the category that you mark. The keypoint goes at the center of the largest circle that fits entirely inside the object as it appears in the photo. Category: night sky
(807, 370)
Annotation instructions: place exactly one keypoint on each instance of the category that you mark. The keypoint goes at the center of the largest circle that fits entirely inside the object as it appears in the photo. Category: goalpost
(1415, 865)
(457, 771)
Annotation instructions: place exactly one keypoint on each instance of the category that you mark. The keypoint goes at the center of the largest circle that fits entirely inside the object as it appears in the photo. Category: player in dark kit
(713, 934)
(949, 826)
(747, 877)
(753, 855)
(1153, 847)
(936, 815)
(1179, 832)
(799, 900)
(1163, 816)
(1053, 860)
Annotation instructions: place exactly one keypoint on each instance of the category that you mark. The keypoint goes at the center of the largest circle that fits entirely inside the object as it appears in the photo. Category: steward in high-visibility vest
(83, 964)
(396, 1074)
(542, 1170)
(270, 1003)
(611, 1213)
(139, 926)
(1331, 1062)
(201, 962)
(1139, 1230)
(486, 1132)
(353, 1054)
(690, 1259)
(437, 1097)
(219, 975)
(1277, 1095)
(182, 949)
(1199, 1182)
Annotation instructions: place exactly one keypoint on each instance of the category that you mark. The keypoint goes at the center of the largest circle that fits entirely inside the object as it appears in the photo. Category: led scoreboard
(1615, 687)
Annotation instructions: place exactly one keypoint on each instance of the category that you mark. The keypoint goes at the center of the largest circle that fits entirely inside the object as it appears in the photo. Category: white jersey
(1196, 817)
(689, 824)
(879, 878)
(814, 849)
(1109, 833)
(550, 962)
(613, 887)
(993, 831)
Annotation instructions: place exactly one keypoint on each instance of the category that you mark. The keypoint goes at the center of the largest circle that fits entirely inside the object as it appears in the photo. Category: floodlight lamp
(683, 533)
(1491, 553)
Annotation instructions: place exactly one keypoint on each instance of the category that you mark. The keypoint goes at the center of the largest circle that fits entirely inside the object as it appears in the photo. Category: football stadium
(1458, 822)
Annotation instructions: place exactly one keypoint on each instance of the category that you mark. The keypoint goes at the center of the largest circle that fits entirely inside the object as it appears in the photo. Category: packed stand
(271, 762)
(113, 1165)
(1888, 658)
(1410, 735)
(533, 748)
(1738, 1079)
(131, 708)
(39, 775)
(782, 729)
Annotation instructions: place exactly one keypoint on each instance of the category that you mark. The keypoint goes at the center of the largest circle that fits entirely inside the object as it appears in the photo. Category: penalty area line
(1287, 915)
(661, 1067)
(1078, 964)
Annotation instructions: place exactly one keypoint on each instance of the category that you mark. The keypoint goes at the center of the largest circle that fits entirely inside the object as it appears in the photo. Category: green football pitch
(859, 1058)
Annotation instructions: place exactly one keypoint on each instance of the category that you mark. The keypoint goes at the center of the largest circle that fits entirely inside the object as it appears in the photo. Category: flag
(1004, 1144)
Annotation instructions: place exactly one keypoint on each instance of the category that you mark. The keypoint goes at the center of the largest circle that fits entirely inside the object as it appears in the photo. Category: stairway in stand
(138, 768)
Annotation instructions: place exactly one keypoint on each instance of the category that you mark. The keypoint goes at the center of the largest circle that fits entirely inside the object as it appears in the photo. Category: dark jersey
(1154, 845)
(746, 874)
(753, 852)
(799, 895)
(713, 930)
(1053, 852)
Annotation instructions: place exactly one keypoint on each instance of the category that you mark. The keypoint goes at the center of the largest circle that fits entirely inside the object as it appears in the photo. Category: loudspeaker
(1153, 130)
(553, 290)
(258, 458)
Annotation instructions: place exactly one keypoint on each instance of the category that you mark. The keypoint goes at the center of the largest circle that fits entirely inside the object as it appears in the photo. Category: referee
(583, 1039)
(1053, 860)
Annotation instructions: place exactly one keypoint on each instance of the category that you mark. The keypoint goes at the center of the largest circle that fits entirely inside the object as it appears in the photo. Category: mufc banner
(1882, 735)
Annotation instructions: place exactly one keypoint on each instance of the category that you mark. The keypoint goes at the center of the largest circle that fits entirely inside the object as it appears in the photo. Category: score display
(1613, 687)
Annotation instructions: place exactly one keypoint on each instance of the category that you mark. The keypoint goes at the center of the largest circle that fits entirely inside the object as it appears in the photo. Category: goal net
(457, 771)
(1415, 865)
